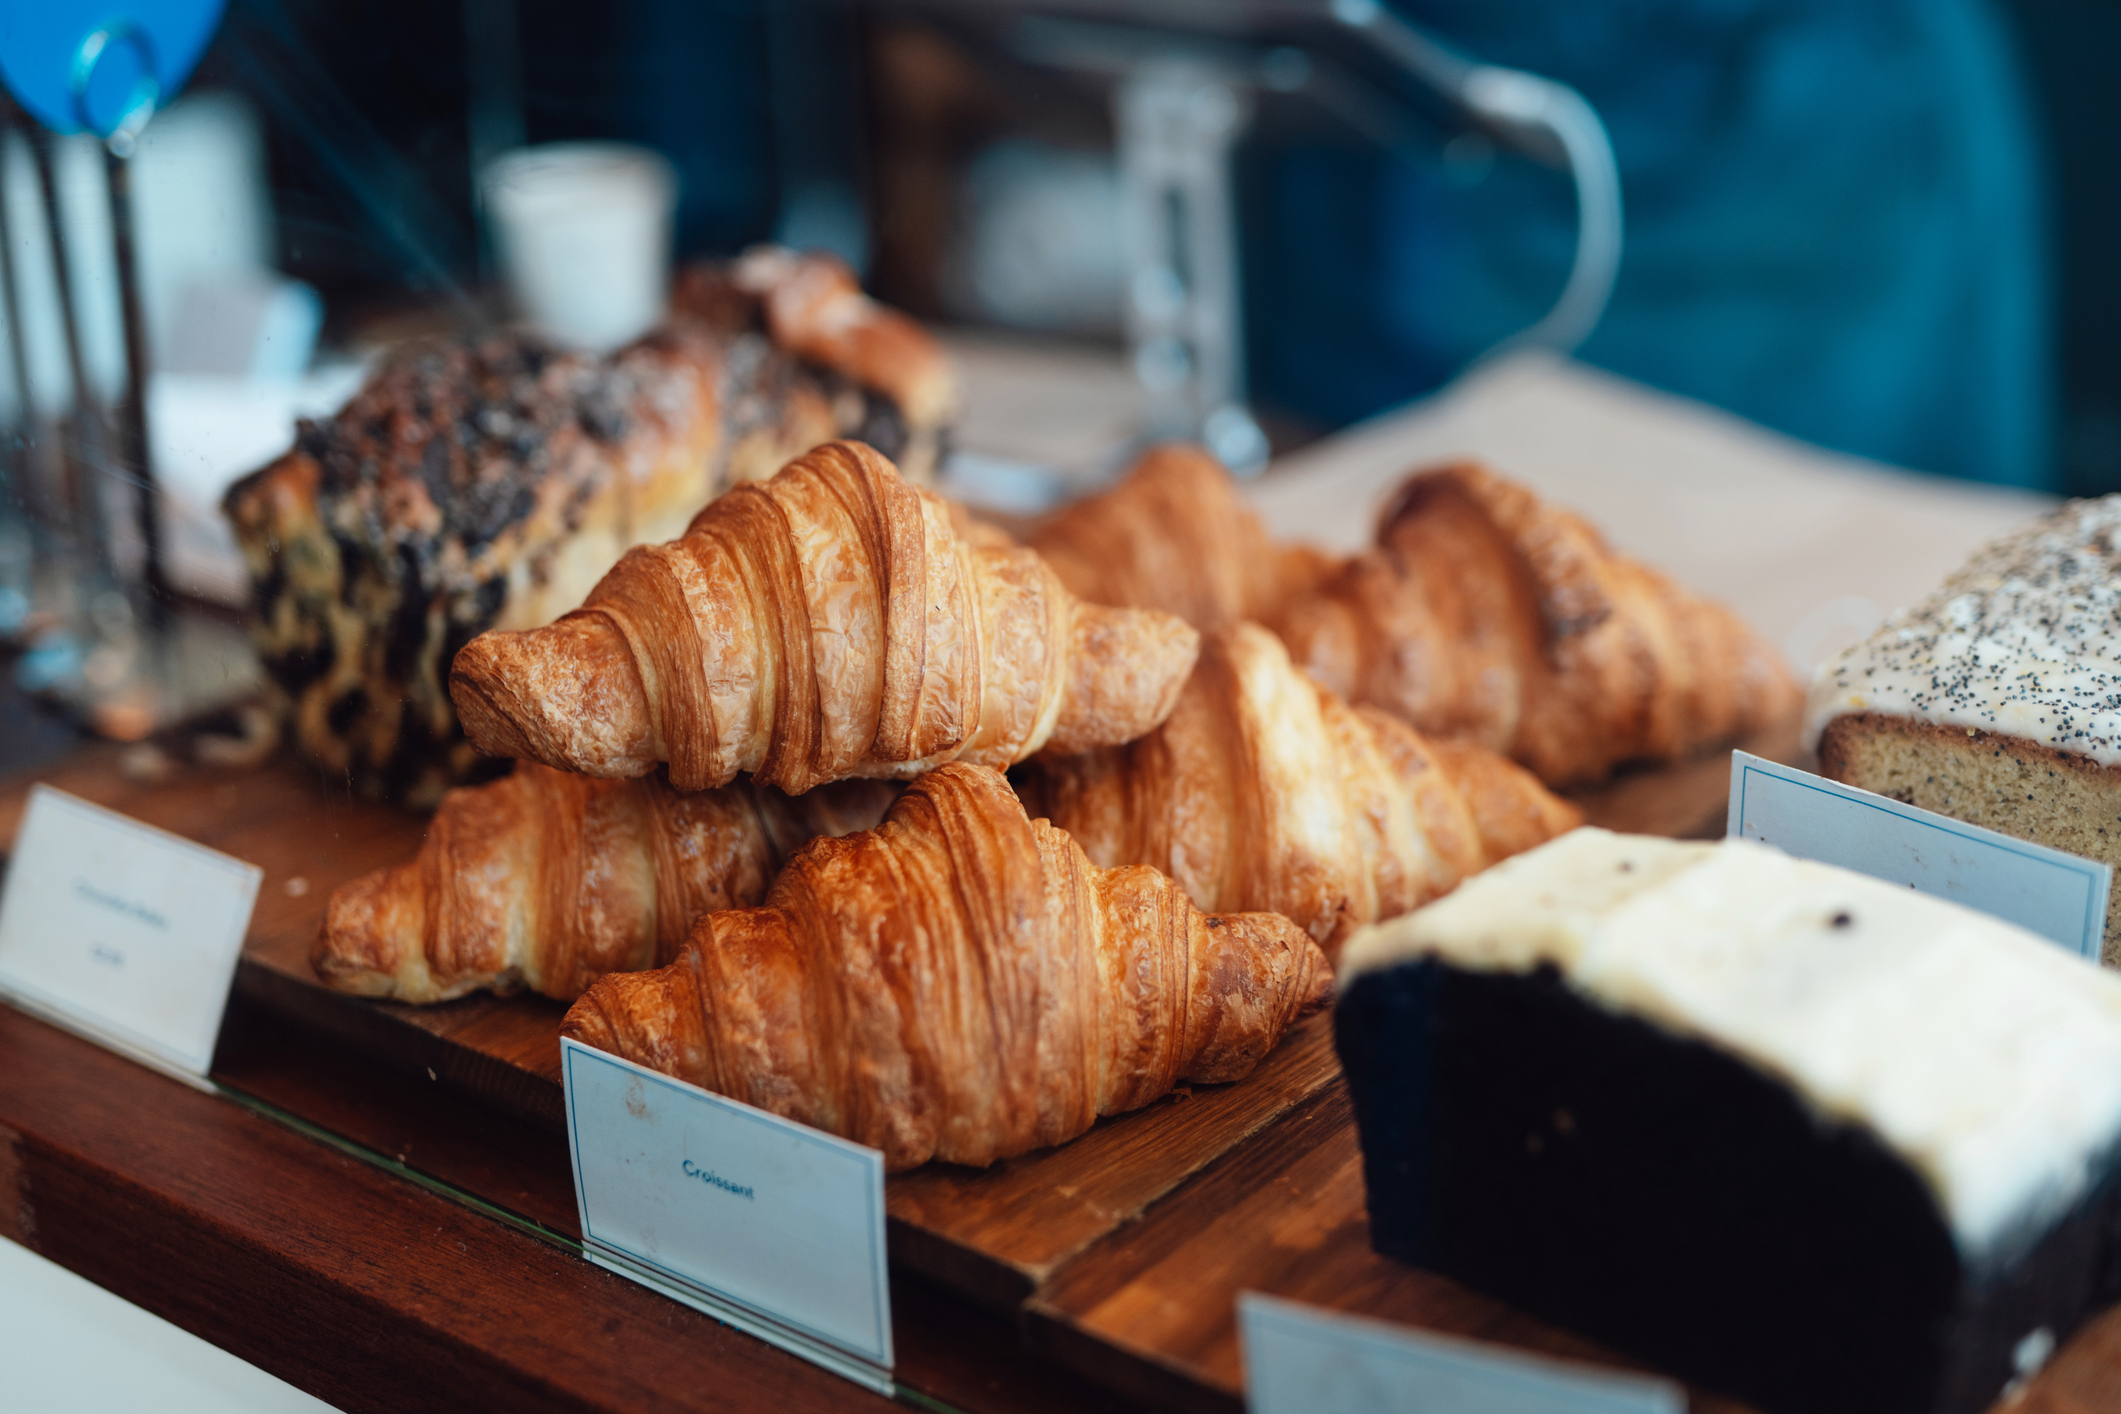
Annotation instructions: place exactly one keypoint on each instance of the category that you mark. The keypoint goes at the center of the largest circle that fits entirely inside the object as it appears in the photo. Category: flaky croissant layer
(1175, 535)
(1481, 614)
(1263, 790)
(823, 624)
(548, 881)
(960, 984)
(1486, 614)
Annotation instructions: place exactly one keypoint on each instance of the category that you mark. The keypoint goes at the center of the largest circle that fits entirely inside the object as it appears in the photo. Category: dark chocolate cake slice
(1778, 1128)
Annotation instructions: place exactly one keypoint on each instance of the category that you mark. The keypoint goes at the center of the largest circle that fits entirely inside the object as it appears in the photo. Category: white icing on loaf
(1989, 1059)
(2025, 640)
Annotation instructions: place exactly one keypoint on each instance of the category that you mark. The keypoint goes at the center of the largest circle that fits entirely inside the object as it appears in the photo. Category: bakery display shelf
(369, 1075)
(993, 1234)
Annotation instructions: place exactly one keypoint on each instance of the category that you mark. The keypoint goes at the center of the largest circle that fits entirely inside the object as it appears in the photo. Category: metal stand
(1181, 103)
(1178, 124)
(98, 638)
(18, 471)
(131, 413)
(81, 449)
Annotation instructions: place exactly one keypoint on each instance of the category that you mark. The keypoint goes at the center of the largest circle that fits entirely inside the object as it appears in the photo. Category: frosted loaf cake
(1794, 1133)
(1997, 700)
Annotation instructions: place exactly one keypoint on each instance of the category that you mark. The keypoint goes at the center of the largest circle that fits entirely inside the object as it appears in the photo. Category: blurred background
(1827, 201)
(1876, 225)
(1881, 226)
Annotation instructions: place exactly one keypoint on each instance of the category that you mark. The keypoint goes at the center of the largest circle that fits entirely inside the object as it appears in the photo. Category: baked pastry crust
(1264, 791)
(464, 486)
(1176, 535)
(548, 881)
(490, 483)
(816, 310)
(1485, 614)
(1481, 613)
(825, 624)
(960, 984)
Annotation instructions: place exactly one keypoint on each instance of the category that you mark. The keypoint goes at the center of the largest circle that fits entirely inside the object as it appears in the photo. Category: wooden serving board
(1687, 801)
(995, 1235)
(991, 1234)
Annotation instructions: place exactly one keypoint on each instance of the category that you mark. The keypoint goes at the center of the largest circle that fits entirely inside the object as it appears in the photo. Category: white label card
(2062, 897)
(122, 932)
(767, 1224)
(1303, 1360)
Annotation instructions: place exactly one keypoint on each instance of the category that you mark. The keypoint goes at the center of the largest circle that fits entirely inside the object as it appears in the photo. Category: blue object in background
(1836, 227)
(41, 45)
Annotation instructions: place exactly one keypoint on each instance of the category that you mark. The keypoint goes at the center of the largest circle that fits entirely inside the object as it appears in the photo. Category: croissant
(1482, 613)
(823, 624)
(1264, 791)
(960, 984)
(1175, 535)
(549, 880)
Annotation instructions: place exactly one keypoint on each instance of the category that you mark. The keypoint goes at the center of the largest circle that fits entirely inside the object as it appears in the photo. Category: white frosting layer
(2024, 640)
(1986, 1057)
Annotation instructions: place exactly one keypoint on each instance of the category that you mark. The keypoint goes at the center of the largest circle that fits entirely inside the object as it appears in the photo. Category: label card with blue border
(2062, 897)
(121, 932)
(1303, 1360)
(767, 1224)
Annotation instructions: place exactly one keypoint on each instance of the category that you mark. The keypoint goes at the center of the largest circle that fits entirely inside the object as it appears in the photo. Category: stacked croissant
(1481, 614)
(873, 934)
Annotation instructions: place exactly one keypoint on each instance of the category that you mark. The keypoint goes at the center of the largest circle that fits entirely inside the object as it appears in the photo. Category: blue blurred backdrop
(1881, 225)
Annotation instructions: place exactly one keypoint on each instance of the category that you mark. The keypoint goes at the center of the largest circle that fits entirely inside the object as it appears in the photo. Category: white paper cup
(583, 232)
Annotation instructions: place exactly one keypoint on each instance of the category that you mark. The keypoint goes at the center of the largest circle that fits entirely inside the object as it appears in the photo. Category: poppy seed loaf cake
(1997, 700)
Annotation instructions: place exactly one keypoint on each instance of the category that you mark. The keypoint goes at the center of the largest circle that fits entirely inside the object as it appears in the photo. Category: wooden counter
(386, 1235)
(382, 1288)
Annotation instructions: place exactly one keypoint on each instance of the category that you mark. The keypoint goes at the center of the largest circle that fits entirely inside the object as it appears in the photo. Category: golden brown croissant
(1481, 613)
(1176, 535)
(549, 880)
(1264, 791)
(1485, 614)
(960, 984)
(826, 623)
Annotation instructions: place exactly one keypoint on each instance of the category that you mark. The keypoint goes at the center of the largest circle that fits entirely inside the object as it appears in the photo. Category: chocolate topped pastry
(489, 484)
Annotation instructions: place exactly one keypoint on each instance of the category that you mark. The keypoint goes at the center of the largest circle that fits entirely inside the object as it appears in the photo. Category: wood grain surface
(989, 1234)
(376, 1294)
(1071, 1230)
